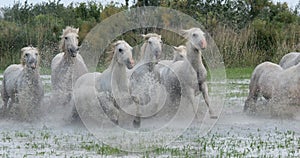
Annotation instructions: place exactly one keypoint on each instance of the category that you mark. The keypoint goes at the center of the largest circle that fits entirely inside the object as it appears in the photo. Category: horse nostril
(131, 61)
(77, 49)
(203, 44)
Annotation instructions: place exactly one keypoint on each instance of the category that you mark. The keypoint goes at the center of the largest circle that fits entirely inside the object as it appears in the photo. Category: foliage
(247, 32)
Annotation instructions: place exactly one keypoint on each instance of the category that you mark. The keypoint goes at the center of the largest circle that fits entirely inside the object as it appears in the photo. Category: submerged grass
(255, 143)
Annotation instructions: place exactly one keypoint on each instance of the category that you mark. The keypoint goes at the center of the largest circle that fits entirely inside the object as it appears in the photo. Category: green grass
(231, 73)
(239, 73)
(45, 71)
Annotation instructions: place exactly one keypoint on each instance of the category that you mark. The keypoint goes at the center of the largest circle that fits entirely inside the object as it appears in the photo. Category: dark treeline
(247, 32)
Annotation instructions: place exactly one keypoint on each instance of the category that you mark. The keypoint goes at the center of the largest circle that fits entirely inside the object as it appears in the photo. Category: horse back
(289, 60)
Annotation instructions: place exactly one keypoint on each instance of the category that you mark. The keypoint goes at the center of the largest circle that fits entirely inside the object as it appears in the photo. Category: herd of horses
(123, 82)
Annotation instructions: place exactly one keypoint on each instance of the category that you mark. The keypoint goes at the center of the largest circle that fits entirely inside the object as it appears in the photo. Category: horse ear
(116, 43)
(184, 33)
(144, 36)
(77, 30)
(175, 48)
(24, 49)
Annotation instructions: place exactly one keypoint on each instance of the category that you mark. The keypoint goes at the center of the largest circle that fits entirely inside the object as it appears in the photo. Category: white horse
(112, 81)
(177, 56)
(180, 80)
(22, 83)
(67, 66)
(263, 82)
(196, 41)
(144, 80)
(279, 86)
(286, 97)
(290, 60)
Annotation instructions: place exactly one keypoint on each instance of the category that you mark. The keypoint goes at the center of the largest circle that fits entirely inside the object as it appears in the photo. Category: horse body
(65, 71)
(286, 95)
(290, 60)
(10, 77)
(87, 79)
(281, 87)
(263, 82)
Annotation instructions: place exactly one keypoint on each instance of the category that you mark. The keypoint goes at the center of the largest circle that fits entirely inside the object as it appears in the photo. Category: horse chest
(30, 85)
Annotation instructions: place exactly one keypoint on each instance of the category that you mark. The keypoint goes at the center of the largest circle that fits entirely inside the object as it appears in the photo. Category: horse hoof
(137, 123)
(116, 122)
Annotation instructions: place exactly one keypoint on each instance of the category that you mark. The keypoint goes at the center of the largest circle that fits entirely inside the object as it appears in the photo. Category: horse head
(123, 53)
(30, 57)
(69, 41)
(196, 37)
(152, 48)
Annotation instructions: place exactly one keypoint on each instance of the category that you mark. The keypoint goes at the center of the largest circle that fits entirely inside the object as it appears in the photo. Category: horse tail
(4, 92)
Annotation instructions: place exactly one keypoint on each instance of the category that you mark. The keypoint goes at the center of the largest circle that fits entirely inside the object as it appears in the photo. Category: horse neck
(31, 74)
(298, 68)
(118, 74)
(68, 59)
(194, 56)
(146, 53)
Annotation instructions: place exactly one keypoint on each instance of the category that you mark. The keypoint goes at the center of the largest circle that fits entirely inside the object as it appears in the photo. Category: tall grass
(255, 44)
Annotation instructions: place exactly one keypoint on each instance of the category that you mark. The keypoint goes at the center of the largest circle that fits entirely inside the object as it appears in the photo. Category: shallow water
(235, 134)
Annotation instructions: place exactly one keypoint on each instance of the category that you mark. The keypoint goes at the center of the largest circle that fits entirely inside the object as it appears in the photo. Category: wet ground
(234, 134)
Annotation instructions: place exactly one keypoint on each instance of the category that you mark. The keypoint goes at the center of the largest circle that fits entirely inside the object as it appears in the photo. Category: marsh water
(235, 133)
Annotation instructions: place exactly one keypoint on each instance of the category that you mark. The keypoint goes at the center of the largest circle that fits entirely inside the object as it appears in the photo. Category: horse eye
(194, 35)
(36, 54)
(181, 56)
(149, 42)
(26, 54)
(120, 50)
(66, 38)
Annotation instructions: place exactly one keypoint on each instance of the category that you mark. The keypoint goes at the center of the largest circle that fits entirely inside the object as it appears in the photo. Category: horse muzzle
(73, 51)
(130, 63)
(33, 65)
(203, 44)
(73, 55)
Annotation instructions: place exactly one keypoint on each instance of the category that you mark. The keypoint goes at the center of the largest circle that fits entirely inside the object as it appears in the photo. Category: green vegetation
(257, 143)
(246, 32)
(239, 73)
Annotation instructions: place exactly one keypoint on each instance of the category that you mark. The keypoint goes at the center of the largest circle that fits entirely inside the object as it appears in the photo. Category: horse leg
(11, 102)
(117, 110)
(191, 99)
(250, 102)
(252, 97)
(137, 118)
(204, 89)
(5, 97)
